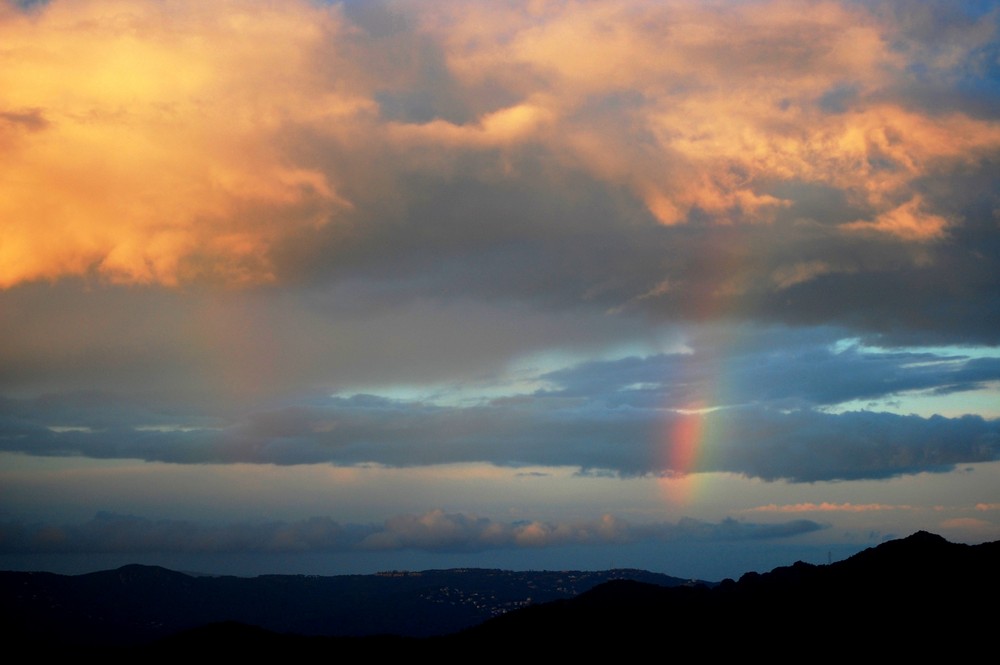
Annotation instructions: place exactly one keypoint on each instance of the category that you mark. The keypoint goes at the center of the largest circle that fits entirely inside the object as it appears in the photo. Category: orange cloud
(709, 102)
(908, 221)
(788, 276)
(149, 142)
(826, 507)
(970, 525)
(496, 128)
(161, 144)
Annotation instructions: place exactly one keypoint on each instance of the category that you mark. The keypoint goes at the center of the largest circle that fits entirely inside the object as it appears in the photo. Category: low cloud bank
(434, 531)
(731, 406)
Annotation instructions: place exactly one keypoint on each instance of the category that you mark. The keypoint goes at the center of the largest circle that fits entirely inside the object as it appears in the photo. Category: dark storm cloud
(621, 416)
(522, 241)
(434, 531)
(803, 445)
(810, 446)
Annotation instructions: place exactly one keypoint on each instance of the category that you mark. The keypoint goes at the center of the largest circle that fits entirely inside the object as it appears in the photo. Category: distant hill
(920, 596)
(137, 604)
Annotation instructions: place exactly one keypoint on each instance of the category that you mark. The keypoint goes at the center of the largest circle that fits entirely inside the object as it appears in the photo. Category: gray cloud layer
(768, 416)
(433, 531)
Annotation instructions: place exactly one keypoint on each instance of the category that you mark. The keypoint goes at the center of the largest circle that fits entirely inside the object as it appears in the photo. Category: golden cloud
(163, 143)
(717, 100)
(908, 221)
(145, 140)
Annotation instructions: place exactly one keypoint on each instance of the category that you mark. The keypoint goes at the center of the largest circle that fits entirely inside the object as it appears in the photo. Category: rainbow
(684, 439)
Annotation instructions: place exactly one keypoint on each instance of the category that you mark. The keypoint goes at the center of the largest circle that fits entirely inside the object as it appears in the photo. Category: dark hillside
(137, 604)
(920, 596)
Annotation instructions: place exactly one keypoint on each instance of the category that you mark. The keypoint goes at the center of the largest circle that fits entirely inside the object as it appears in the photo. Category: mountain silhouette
(919, 596)
(136, 604)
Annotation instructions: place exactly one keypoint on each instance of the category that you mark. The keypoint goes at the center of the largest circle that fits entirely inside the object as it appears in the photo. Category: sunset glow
(496, 282)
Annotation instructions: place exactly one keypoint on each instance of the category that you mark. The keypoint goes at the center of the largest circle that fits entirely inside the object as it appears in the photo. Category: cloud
(907, 221)
(718, 407)
(970, 527)
(110, 532)
(721, 98)
(688, 164)
(826, 507)
(436, 194)
(154, 144)
(429, 148)
(432, 531)
(813, 367)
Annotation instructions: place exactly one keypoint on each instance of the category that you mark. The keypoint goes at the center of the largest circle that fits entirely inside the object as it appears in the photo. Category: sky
(310, 287)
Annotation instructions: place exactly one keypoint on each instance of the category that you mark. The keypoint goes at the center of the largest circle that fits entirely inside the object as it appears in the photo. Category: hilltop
(919, 595)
